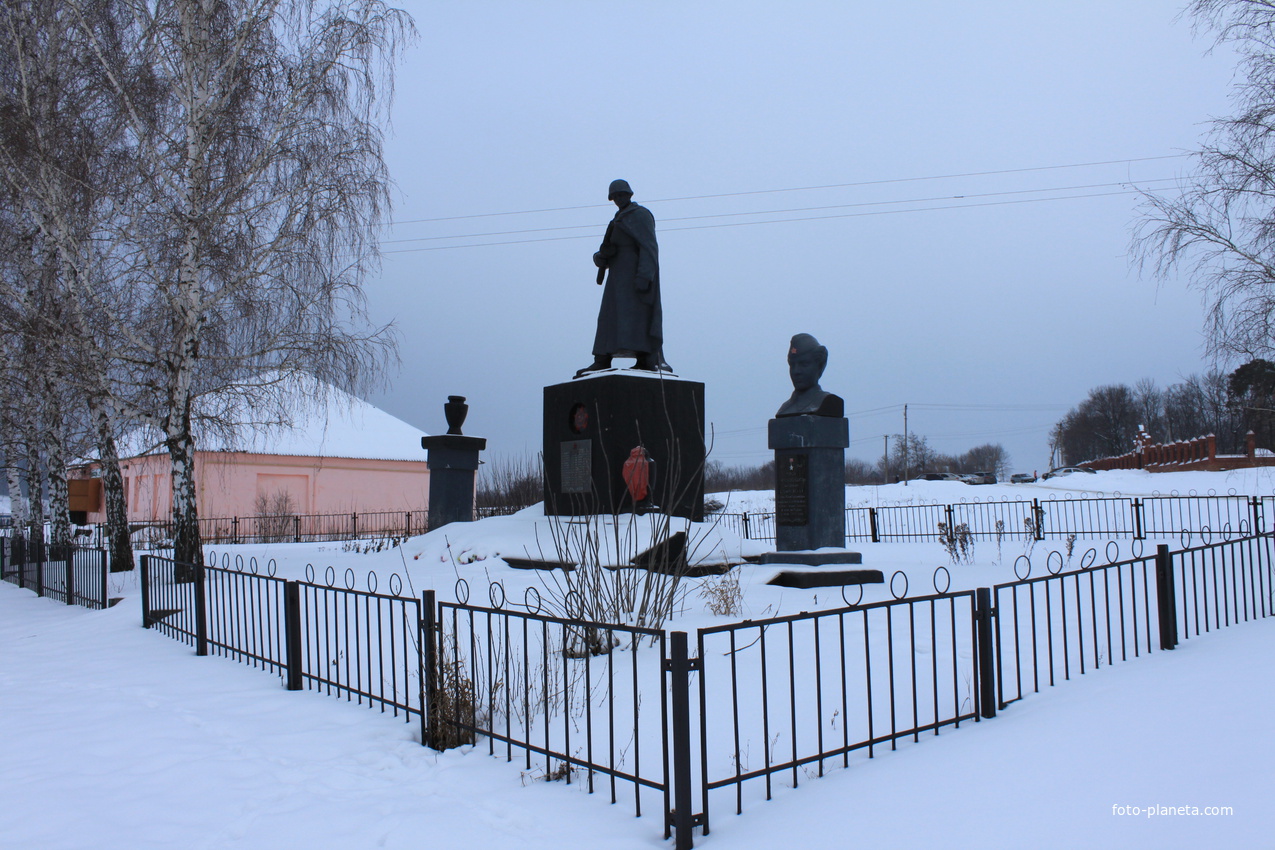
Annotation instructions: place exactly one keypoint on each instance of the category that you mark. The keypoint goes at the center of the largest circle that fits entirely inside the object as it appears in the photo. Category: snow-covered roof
(326, 422)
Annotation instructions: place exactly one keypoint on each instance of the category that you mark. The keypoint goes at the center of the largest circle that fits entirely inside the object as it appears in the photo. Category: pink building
(340, 456)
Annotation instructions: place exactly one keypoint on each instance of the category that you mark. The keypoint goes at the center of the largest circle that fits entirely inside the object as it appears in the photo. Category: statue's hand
(599, 260)
(642, 285)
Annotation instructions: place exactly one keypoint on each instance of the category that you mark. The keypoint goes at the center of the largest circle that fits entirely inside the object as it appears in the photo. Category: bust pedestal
(810, 490)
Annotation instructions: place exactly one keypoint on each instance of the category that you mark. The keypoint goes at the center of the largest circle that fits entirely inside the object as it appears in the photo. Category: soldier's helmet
(618, 187)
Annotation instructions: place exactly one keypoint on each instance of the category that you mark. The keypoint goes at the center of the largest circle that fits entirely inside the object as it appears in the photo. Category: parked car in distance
(1022, 478)
(1066, 470)
(937, 476)
(979, 478)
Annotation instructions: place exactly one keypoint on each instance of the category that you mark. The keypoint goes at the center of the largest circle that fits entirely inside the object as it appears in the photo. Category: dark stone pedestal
(592, 424)
(453, 463)
(810, 475)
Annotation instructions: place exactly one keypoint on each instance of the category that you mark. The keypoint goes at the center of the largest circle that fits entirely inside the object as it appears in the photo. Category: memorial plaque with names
(792, 490)
(577, 466)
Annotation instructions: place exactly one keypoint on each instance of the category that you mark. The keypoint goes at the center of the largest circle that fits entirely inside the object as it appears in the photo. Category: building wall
(228, 484)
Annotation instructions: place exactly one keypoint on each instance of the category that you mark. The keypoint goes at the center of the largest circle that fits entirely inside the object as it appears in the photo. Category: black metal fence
(1108, 518)
(357, 644)
(785, 696)
(75, 575)
(777, 700)
(290, 528)
(563, 695)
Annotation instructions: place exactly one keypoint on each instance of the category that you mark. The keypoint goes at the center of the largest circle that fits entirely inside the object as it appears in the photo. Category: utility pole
(886, 458)
(906, 471)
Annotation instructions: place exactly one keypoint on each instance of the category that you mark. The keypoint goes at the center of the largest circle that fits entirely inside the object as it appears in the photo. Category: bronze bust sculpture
(806, 361)
(630, 320)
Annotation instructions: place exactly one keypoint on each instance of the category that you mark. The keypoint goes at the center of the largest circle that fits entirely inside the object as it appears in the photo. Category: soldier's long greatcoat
(630, 320)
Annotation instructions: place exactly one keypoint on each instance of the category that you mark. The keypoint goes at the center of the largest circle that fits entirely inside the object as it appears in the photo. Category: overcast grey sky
(989, 314)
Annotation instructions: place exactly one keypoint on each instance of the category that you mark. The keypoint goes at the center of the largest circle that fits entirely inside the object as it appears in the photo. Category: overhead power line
(807, 188)
(593, 225)
(778, 221)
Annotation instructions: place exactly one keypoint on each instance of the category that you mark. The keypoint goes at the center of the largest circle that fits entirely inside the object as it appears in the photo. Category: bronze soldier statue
(630, 320)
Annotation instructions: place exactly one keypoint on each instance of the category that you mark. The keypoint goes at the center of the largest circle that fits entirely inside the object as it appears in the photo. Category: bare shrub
(958, 541)
(275, 516)
(723, 594)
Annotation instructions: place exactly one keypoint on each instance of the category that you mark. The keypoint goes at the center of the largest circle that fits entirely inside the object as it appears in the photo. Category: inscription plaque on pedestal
(792, 489)
(577, 466)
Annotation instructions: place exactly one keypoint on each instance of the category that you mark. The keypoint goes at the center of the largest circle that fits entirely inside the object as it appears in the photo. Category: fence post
(41, 558)
(292, 632)
(1165, 597)
(746, 525)
(146, 591)
(296, 529)
(70, 576)
(106, 568)
(429, 669)
(986, 661)
(872, 523)
(1039, 514)
(680, 666)
(1139, 525)
(201, 612)
(1255, 505)
(949, 519)
(234, 529)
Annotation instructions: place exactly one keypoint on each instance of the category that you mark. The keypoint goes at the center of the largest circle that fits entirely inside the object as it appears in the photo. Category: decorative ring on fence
(1226, 531)
(1116, 494)
(527, 596)
(1023, 559)
(252, 565)
(271, 568)
(212, 557)
(329, 576)
(372, 581)
(238, 562)
(847, 601)
(1212, 492)
(1231, 492)
(350, 578)
(225, 560)
(309, 573)
(396, 584)
(1137, 548)
(946, 585)
(1206, 535)
(1185, 538)
(573, 609)
(1111, 559)
(496, 593)
(1087, 559)
(1244, 528)
(898, 573)
(1049, 562)
(1155, 494)
(1174, 493)
(1192, 493)
(462, 591)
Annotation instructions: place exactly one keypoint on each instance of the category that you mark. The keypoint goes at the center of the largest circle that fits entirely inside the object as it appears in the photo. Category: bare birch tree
(61, 142)
(256, 155)
(1219, 227)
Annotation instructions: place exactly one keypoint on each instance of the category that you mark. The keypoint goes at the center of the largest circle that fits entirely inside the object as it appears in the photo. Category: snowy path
(117, 737)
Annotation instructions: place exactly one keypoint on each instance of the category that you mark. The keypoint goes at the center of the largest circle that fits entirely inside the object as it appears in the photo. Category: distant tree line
(912, 456)
(1227, 406)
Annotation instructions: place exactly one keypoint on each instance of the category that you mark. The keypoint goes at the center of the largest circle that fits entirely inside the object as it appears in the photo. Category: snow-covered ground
(119, 737)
